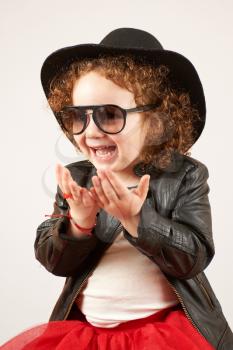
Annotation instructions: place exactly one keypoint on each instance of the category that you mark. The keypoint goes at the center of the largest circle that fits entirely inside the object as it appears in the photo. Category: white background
(31, 142)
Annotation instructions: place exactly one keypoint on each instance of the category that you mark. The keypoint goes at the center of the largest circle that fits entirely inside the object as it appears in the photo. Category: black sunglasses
(109, 118)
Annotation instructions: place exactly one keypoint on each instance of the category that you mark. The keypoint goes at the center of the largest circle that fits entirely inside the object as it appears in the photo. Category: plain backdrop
(32, 143)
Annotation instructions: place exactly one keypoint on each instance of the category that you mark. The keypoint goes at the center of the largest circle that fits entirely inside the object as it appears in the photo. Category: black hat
(142, 45)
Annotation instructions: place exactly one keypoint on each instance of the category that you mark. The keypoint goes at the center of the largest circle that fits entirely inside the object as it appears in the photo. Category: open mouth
(104, 153)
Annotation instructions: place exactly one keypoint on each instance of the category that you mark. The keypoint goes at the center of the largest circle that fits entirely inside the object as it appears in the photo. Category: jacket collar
(177, 160)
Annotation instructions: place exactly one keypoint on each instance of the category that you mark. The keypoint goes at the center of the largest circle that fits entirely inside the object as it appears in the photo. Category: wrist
(131, 225)
(83, 225)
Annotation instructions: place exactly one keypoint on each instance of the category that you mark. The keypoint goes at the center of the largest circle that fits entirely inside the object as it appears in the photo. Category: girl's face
(94, 89)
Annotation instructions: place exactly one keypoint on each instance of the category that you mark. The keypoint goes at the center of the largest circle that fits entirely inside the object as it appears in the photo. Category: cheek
(133, 129)
(78, 139)
(119, 140)
(130, 139)
(78, 142)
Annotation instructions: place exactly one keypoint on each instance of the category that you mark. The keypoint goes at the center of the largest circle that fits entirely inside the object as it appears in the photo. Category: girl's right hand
(83, 206)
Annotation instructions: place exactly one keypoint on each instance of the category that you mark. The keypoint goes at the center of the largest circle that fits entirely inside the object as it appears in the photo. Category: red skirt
(168, 329)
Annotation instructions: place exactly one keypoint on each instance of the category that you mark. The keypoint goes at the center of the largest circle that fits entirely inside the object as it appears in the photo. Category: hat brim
(183, 74)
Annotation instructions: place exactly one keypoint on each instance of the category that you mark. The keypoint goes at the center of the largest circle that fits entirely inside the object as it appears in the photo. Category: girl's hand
(83, 207)
(114, 198)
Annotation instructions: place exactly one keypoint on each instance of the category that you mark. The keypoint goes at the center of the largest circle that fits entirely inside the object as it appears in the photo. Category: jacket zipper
(205, 292)
(186, 311)
(77, 292)
(85, 279)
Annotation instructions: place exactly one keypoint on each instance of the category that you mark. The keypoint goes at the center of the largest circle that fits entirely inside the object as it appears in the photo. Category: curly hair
(169, 128)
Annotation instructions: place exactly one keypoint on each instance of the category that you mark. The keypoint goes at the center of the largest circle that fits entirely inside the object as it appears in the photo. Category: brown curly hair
(169, 127)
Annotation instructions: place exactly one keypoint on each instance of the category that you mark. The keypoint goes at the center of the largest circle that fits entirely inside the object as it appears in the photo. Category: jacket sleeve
(58, 252)
(182, 246)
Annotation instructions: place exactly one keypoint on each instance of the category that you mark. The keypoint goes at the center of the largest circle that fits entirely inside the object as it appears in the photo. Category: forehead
(94, 88)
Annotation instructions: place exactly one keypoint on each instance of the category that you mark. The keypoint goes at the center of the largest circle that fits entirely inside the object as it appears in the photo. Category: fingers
(143, 186)
(66, 182)
(87, 199)
(95, 197)
(68, 185)
(75, 190)
(116, 184)
(99, 190)
(108, 188)
(58, 176)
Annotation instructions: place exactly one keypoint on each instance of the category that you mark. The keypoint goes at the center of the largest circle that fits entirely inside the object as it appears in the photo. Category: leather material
(174, 231)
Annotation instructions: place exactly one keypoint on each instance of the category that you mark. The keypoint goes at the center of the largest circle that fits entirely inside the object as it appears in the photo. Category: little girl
(131, 227)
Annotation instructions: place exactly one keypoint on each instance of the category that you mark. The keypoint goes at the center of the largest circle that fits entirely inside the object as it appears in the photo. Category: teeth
(103, 147)
(103, 151)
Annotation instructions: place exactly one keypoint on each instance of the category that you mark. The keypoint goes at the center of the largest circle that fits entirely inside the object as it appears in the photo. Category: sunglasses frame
(93, 108)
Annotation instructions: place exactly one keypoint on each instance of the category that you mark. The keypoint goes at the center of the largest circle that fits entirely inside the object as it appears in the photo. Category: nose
(91, 128)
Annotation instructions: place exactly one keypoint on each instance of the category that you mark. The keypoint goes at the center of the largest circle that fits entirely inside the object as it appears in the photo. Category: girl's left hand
(111, 195)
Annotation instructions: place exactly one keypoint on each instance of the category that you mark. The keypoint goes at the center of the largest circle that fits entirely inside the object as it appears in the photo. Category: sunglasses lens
(110, 118)
(73, 120)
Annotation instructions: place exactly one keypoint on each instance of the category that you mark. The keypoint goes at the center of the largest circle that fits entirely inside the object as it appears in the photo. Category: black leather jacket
(174, 231)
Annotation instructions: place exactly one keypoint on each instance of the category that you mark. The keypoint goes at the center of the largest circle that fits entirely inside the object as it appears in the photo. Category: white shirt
(126, 285)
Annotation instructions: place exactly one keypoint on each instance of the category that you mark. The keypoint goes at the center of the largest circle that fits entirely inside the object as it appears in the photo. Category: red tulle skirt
(168, 329)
